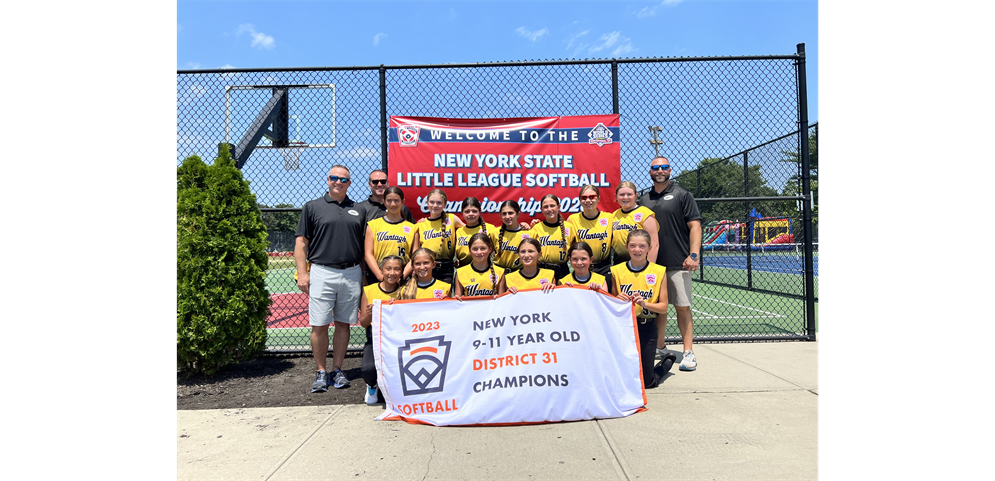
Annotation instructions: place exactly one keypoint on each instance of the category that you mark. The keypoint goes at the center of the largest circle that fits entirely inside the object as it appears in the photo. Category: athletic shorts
(334, 295)
(679, 288)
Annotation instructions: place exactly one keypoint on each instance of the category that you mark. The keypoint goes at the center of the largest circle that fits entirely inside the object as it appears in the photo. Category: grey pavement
(750, 411)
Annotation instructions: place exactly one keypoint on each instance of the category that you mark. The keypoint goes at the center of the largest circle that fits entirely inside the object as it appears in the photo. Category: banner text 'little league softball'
(494, 160)
(531, 357)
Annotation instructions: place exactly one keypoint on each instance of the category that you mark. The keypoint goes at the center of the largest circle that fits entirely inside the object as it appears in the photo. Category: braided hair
(486, 239)
(411, 288)
(517, 209)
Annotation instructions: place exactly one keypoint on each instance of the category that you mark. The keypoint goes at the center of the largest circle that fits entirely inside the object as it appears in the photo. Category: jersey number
(400, 251)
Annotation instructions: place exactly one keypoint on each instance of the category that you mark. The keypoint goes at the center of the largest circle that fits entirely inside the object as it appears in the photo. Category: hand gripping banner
(531, 357)
(495, 160)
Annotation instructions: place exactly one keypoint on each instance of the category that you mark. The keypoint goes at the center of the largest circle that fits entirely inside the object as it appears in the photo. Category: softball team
(594, 228)
(474, 224)
(510, 236)
(552, 235)
(390, 235)
(480, 277)
(437, 233)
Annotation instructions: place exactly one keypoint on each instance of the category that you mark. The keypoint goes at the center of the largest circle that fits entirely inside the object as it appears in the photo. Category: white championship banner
(531, 357)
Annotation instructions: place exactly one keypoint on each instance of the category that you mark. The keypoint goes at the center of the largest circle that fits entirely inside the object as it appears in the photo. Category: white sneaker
(688, 363)
(371, 395)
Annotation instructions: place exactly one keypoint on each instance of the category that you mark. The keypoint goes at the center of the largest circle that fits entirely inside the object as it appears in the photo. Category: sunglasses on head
(335, 178)
(378, 181)
(661, 166)
(588, 197)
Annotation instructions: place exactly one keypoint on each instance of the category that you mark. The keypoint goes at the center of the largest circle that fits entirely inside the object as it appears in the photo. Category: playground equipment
(759, 233)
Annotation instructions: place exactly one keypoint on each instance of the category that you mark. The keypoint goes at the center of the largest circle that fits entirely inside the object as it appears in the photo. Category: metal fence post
(807, 192)
(614, 86)
(749, 242)
(383, 118)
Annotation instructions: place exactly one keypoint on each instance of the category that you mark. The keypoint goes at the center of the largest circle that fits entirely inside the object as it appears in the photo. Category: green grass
(771, 281)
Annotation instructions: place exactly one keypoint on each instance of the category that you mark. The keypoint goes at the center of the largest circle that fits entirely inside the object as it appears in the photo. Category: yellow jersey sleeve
(506, 248)
(596, 232)
(554, 248)
(647, 282)
(392, 239)
(438, 235)
(479, 283)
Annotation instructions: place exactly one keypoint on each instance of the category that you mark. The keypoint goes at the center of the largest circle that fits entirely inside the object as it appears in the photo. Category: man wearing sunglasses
(374, 204)
(680, 244)
(330, 237)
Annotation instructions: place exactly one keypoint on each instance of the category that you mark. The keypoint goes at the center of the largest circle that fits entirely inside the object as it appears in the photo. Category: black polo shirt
(376, 210)
(334, 230)
(674, 208)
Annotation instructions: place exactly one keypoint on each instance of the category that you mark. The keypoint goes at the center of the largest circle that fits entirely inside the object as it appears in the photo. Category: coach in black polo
(330, 237)
(680, 244)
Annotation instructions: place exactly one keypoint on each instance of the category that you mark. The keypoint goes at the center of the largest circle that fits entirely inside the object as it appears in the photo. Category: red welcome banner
(495, 160)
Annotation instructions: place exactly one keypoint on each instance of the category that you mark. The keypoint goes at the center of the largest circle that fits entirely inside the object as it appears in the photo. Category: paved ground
(750, 411)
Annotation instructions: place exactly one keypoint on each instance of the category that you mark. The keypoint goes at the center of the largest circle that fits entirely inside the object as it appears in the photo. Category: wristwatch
(694, 256)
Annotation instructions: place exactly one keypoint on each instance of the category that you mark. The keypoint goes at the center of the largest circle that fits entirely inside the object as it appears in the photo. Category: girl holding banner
(437, 232)
(552, 236)
(390, 235)
(480, 277)
(628, 217)
(644, 283)
(423, 285)
(580, 258)
(530, 275)
(388, 289)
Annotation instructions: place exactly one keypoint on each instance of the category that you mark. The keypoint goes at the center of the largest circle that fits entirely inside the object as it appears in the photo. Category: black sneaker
(320, 385)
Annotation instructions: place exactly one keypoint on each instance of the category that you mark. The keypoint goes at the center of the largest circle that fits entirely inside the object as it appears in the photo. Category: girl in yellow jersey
(510, 236)
(437, 232)
(628, 217)
(594, 228)
(480, 277)
(530, 275)
(422, 285)
(580, 258)
(552, 236)
(474, 224)
(644, 284)
(390, 235)
(388, 289)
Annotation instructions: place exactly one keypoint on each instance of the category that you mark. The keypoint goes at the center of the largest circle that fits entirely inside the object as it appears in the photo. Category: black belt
(339, 266)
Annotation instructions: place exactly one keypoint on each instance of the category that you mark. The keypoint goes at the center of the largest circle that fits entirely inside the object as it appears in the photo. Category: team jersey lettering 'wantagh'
(596, 232)
(392, 239)
(438, 235)
(646, 281)
(479, 283)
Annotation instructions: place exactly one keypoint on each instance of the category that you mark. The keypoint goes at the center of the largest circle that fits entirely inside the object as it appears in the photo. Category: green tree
(721, 178)
(221, 297)
(280, 221)
(794, 184)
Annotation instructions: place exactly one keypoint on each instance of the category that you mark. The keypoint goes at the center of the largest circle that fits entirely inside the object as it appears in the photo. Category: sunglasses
(335, 178)
(588, 197)
(655, 168)
(378, 181)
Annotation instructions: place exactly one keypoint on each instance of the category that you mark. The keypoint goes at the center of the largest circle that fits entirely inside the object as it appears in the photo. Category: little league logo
(604, 222)
(543, 281)
(600, 135)
(638, 216)
(423, 363)
(650, 279)
(408, 135)
(407, 229)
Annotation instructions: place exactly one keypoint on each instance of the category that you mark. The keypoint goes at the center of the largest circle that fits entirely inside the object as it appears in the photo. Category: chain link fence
(728, 125)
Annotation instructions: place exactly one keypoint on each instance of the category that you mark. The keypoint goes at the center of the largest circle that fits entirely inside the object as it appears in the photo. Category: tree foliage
(221, 297)
(280, 221)
(720, 178)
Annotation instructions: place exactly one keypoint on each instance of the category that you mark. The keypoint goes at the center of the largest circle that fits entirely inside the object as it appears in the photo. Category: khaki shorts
(679, 288)
(334, 295)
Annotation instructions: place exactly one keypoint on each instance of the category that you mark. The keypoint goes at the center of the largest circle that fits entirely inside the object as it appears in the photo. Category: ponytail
(411, 288)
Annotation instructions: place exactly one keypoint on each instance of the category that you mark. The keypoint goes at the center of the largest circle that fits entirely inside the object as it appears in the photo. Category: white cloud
(378, 37)
(229, 66)
(259, 39)
(609, 40)
(532, 35)
(572, 39)
(626, 48)
(650, 11)
(193, 65)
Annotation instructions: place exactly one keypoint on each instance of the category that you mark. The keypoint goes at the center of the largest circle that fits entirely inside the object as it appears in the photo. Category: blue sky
(318, 34)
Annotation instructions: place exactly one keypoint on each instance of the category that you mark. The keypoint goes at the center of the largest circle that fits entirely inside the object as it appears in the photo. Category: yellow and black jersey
(594, 278)
(374, 292)
(432, 290)
(439, 235)
(646, 281)
(625, 222)
(392, 239)
(518, 281)
(554, 250)
(479, 283)
(506, 249)
(463, 235)
(597, 232)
